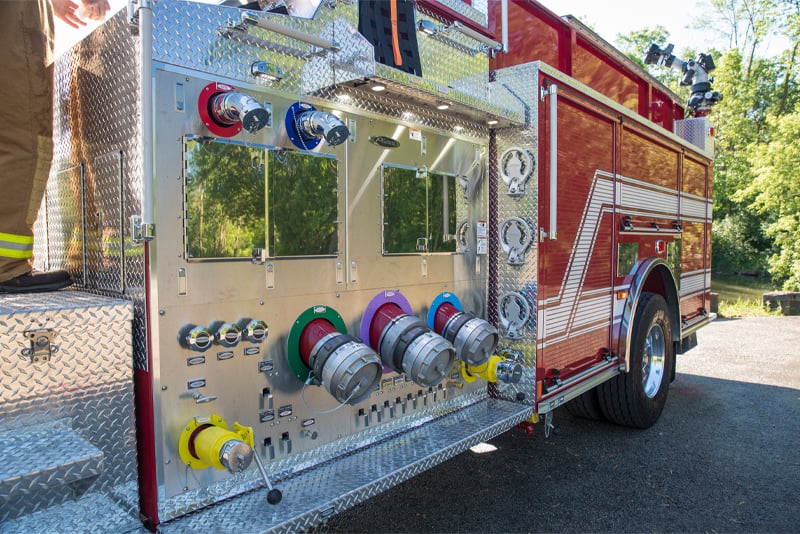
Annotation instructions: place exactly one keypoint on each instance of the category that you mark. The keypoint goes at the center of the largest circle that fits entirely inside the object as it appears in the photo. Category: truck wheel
(586, 405)
(637, 397)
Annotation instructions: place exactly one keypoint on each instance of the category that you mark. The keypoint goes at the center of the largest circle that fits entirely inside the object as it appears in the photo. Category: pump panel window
(301, 188)
(419, 211)
(239, 198)
(225, 207)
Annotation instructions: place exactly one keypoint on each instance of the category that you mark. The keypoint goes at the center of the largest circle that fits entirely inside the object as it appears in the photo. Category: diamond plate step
(313, 495)
(39, 457)
(93, 512)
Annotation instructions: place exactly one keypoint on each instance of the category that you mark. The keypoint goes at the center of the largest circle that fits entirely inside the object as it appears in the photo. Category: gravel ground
(722, 458)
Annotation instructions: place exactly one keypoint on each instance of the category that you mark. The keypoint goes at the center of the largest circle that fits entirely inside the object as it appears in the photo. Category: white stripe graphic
(562, 316)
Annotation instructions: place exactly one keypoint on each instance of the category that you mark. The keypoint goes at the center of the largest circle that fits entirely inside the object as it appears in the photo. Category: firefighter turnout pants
(26, 126)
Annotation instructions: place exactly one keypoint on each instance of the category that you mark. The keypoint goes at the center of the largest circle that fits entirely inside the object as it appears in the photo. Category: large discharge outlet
(319, 349)
(406, 344)
(473, 338)
(225, 111)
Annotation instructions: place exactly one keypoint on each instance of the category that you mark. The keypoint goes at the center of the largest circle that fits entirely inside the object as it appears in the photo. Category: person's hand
(95, 9)
(66, 10)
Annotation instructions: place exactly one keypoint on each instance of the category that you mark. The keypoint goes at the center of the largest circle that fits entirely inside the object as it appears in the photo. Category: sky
(615, 17)
(609, 19)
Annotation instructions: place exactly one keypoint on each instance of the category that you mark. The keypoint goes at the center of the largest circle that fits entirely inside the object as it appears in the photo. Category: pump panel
(275, 238)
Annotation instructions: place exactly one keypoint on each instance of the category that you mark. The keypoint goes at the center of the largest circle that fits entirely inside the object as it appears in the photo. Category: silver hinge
(141, 232)
(42, 347)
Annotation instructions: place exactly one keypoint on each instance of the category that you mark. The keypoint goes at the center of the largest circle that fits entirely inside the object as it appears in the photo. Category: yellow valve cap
(496, 368)
(207, 442)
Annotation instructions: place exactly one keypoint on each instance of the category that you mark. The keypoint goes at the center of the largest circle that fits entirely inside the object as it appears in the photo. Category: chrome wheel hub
(653, 361)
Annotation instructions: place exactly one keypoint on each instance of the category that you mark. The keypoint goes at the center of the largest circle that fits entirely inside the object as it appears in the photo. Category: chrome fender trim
(640, 275)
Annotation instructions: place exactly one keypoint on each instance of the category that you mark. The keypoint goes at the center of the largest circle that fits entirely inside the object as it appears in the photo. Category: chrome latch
(42, 347)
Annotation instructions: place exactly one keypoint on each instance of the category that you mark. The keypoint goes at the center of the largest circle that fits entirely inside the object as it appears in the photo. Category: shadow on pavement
(723, 457)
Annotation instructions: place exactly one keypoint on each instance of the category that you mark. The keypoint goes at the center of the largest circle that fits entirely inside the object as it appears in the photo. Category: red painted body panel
(696, 254)
(596, 71)
(145, 419)
(575, 270)
(537, 34)
(610, 169)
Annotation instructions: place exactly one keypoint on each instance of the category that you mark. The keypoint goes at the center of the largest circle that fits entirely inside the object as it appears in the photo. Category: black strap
(375, 23)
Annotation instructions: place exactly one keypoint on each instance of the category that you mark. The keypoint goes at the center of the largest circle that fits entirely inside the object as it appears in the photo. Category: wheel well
(652, 276)
(661, 282)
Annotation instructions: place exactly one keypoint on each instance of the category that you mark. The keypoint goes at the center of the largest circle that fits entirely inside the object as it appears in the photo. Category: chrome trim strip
(562, 395)
(632, 302)
(697, 325)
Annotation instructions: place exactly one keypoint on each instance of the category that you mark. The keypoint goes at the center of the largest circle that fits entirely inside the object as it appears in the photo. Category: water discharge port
(208, 442)
(225, 111)
(474, 339)
(406, 344)
(321, 352)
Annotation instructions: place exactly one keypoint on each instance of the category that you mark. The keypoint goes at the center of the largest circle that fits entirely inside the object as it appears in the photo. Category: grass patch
(745, 307)
(740, 296)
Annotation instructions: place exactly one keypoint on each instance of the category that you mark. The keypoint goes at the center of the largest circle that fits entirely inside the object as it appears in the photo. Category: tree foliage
(240, 197)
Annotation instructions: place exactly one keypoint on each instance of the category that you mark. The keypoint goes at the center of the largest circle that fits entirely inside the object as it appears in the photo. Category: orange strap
(398, 58)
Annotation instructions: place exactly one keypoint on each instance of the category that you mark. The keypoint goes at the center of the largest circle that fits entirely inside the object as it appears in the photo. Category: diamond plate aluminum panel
(41, 457)
(212, 40)
(92, 512)
(96, 127)
(696, 131)
(80, 399)
(230, 486)
(310, 496)
(522, 279)
(102, 214)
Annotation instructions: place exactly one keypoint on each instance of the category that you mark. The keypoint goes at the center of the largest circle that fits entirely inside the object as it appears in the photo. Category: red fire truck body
(386, 231)
(622, 183)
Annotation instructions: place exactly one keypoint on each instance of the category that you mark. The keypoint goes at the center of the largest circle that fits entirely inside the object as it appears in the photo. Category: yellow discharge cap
(207, 442)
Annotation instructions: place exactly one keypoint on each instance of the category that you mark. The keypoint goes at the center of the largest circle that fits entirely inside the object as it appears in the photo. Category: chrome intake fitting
(231, 107)
(321, 124)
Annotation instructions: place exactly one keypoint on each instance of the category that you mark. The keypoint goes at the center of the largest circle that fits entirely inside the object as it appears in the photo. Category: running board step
(312, 496)
(92, 512)
(44, 457)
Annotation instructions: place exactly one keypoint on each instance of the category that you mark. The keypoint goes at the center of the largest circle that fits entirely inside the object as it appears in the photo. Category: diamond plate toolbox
(67, 438)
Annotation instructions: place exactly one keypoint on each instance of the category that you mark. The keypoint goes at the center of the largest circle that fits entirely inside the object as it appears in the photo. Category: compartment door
(575, 298)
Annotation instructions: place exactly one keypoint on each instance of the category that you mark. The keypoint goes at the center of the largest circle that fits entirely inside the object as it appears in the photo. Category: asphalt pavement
(724, 457)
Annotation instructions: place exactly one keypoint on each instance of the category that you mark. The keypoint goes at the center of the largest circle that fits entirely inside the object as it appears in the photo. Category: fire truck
(321, 246)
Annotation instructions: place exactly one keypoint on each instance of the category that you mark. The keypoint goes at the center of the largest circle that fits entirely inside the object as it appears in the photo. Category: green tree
(755, 213)
(225, 200)
(775, 193)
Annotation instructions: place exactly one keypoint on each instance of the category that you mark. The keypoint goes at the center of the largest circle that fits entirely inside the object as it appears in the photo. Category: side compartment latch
(42, 346)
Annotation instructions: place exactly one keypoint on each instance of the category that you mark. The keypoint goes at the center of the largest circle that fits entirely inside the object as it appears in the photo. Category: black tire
(623, 399)
(586, 406)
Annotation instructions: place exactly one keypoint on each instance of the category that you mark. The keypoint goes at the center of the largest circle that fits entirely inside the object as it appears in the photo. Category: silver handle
(274, 495)
(491, 44)
(255, 20)
(202, 399)
(553, 93)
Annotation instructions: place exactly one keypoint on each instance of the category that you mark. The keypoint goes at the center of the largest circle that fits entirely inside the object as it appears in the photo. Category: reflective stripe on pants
(16, 246)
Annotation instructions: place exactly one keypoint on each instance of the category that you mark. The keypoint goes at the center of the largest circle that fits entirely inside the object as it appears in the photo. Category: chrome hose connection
(231, 107)
(321, 124)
